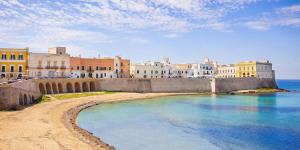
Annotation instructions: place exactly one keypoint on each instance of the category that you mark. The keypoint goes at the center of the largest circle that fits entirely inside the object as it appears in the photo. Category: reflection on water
(269, 121)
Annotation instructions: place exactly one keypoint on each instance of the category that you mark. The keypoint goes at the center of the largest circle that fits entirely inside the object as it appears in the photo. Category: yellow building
(13, 62)
(258, 69)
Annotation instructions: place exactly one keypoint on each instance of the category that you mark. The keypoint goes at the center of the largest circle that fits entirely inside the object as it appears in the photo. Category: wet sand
(52, 125)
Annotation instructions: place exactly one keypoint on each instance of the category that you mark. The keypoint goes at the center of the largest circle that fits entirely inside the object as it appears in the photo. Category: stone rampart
(182, 85)
(25, 92)
(234, 84)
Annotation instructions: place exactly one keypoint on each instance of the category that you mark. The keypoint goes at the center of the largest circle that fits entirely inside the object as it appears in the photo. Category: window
(145, 71)
(97, 68)
(109, 68)
(48, 63)
(55, 63)
(40, 63)
(12, 57)
(20, 57)
(3, 69)
(3, 56)
(12, 68)
(63, 63)
(121, 70)
(137, 71)
(90, 68)
(82, 67)
(102, 68)
(20, 68)
(78, 67)
(121, 64)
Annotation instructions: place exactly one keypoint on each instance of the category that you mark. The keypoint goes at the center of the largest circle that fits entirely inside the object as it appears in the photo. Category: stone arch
(29, 99)
(85, 87)
(77, 87)
(48, 88)
(25, 99)
(92, 86)
(42, 88)
(54, 88)
(69, 87)
(60, 88)
(21, 102)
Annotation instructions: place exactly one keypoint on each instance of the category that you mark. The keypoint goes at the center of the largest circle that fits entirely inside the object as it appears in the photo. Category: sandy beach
(43, 126)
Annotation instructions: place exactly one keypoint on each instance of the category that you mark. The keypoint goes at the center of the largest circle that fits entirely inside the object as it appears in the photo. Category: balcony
(63, 67)
(39, 67)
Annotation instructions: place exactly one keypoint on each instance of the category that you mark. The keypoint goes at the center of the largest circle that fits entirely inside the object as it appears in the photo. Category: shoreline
(52, 125)
(70, 119)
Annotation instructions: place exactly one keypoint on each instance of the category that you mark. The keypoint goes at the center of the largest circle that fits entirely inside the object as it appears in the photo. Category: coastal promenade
(44, 126)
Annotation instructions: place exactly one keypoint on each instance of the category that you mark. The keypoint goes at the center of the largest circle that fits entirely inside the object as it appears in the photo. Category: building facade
(147, 70)
(226, 71)
(54, 64)
(202, 70)
(100, 67)
(258, 69)
(13, 63)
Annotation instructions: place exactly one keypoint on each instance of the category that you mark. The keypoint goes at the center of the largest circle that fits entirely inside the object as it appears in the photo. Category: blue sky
(227, 31)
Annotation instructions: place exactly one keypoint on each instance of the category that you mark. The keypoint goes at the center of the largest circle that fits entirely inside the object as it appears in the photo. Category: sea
(200, 122)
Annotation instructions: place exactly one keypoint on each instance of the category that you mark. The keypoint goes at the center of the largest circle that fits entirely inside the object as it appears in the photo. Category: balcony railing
(63, 67)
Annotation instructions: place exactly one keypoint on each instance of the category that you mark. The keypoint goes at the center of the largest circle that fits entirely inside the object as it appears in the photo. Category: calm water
(269, 121)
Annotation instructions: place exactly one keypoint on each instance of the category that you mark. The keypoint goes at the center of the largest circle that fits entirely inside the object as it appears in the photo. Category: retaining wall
(126, 85)
(182, 85)
(234, 84)
(25, 92)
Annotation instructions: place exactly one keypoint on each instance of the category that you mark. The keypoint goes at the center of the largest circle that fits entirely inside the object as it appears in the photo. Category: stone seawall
(235, 84)
(18, 94)
(126, 85)
(25, 92)
(183, 85)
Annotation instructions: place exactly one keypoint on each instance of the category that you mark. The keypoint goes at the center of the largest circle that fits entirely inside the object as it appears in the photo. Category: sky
(186, 31)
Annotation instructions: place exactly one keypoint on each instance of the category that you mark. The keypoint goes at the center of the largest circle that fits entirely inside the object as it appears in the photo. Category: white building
(147, 70)
(183, 71)
(55, 63)
(203, 70)
(264, 69)
(226, 71)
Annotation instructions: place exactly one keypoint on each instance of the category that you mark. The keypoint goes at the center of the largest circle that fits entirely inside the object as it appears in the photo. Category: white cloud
(139, 40)
(171, 36)
(289, 9)
(288, 16)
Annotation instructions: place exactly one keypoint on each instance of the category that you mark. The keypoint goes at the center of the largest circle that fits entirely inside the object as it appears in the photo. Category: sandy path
(42, 127)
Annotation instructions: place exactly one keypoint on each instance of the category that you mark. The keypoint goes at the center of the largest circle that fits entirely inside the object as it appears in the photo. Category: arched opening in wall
(29, 99)
(77, 87)
(48, 88)
(42, 88)
(85, 87)
(54, 88)
(25, 99)
(92, 86)
(60, 88)
(69, 88)
(21, 99)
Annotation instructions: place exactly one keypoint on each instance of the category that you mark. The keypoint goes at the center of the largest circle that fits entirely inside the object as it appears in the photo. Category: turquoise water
(269, 121)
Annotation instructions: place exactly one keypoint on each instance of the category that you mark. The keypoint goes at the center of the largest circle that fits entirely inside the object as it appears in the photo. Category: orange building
(99, 67)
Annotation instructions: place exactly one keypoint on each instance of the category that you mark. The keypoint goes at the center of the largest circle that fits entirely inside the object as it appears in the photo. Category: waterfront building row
(57, 63)
(207, 69)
